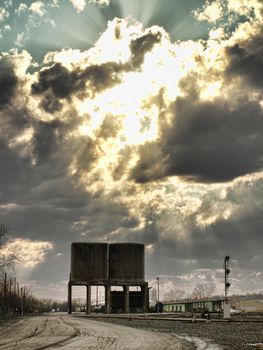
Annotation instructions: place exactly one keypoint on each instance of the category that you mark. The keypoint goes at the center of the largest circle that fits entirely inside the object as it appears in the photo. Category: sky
(133, 121)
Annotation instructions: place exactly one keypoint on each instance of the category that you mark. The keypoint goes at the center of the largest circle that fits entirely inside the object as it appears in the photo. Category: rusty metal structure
(126, 262)
(108, 265)
(89, 262)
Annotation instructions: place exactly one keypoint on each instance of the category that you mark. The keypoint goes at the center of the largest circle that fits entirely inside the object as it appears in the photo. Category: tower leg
(88, 299)
(107, 299)
(126, 305)
(69, 298)
(145, 299)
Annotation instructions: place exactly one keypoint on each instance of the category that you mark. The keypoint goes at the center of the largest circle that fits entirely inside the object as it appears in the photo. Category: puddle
(200, 344)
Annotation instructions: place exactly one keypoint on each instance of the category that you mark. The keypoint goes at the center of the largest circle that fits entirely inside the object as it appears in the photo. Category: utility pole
(10, 294)
(158, 295)
(10, 288)
(5, 294)
(24, 297)
(30, 303)
(22, 301)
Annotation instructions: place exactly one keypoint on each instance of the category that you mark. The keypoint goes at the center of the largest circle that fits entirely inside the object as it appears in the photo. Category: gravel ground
(6, 321)
(230, 336)
(61, 331)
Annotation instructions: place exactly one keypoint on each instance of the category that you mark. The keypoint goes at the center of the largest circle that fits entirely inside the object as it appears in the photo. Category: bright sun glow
(132, 104)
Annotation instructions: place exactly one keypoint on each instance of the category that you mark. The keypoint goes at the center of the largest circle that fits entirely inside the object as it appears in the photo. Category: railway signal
(227, 272)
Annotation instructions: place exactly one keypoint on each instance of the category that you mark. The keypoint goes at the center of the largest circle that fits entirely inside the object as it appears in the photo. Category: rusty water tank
(126, 262)
(89, 262)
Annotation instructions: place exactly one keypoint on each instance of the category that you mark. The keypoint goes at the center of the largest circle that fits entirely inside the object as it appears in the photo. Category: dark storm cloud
(8, 81)
(141, 45)
(13, 121)
(46, 139)
(246, 60)
(211, 141)
(86, 151)
(235, 237)
(123, 160)
(104, 76)
(207, 142)
(48, 208)
(150, 166)
(14, 174)
(109, 127)
(57, 82)
(23, 182)
(106, 215)
(58, 79)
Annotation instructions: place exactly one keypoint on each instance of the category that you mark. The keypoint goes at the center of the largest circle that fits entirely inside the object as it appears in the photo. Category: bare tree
(175, 295)
(203, 290)
(180, 294)
(169, 296)
(6, 260)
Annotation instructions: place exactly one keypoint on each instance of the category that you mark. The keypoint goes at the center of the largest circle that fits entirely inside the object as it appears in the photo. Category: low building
(213, 305)
(252, 305)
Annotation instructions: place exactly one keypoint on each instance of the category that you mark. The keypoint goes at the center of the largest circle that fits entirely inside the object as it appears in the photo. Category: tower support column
(88, 299)
(145, 291)
(126, 305)
(69, 298)
(107, 299)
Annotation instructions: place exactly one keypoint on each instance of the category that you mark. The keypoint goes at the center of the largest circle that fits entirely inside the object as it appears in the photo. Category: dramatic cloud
(80, 5)
(211, 12)
(57, 83)
(21, 8)
(99, 2)
(8, 81)
(142, 45)
(139, 138)
(37, 7)
(245, 60)
(208, 142)
(27, 252)
(3, 14)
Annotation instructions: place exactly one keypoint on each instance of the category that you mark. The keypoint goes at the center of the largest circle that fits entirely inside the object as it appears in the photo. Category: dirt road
(68, 332)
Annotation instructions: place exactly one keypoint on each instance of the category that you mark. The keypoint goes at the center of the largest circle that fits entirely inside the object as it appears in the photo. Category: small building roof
(193, 301)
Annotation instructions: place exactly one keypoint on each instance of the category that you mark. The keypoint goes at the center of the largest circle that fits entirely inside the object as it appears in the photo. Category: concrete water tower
(108, 265)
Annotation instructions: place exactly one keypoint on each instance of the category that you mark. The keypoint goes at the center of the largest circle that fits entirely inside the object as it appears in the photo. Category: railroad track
(173, 319)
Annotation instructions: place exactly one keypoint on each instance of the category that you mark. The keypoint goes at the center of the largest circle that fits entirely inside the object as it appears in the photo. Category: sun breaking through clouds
(139, 137)
(28, 253)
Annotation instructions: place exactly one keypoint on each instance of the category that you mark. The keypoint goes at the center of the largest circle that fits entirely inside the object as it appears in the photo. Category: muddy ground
(71, 332)
(230, 336)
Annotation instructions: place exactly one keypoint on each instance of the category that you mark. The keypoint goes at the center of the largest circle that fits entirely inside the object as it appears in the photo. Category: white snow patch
(200, 344)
